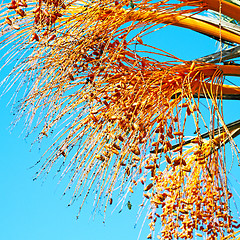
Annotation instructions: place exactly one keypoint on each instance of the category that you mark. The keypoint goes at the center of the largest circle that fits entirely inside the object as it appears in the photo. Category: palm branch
(86, 65)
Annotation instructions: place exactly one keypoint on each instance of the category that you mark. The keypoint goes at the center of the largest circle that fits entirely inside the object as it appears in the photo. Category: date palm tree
(121, 108)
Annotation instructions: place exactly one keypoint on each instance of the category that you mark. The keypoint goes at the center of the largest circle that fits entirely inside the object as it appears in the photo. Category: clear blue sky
(33, 210)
